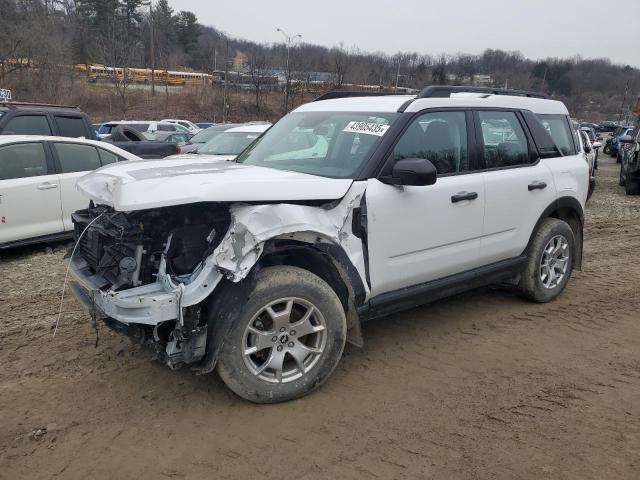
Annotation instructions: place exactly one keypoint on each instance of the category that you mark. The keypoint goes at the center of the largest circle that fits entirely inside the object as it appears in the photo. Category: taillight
(178, 150)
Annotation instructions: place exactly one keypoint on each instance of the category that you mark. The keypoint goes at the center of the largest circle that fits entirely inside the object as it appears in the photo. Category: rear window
(141, 127)
(71, 126)
(559, 131)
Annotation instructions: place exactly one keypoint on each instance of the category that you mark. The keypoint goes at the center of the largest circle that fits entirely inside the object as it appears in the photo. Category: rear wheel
(623, 175)
(632, 187)
(287, 338)
(549, 261)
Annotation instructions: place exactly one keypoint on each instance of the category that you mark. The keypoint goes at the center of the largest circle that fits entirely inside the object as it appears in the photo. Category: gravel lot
(483, 385)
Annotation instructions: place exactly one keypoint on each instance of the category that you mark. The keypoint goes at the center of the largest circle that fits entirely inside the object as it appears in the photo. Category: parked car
(228, 144)
(42, 119)
(189, 126)
(588, 152)
(608, 126)
(141, 126)
(37, 184)
(263, 267)
(615, 140)
(595, 141)
(203, 136)
(131, 140)
(630, 162)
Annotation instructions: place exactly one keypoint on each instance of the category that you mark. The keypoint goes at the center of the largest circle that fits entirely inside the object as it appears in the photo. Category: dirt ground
(483, 385)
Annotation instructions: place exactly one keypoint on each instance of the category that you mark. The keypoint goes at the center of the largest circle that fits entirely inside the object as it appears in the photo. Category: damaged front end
(147, 273)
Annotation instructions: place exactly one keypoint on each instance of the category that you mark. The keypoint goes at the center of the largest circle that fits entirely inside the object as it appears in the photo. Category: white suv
(345, 210)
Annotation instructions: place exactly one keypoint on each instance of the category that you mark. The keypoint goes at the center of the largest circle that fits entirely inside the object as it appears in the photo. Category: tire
(532, 284)
(622, 180)
(632, 187)
(618, 158)
(292, 289)
(607, 149)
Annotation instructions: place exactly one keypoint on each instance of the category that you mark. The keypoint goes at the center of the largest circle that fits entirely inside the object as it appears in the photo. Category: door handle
(537, 186)
(459, 197)
(47, 186)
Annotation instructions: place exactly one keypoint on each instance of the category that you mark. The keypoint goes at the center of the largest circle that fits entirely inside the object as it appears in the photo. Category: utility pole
(153, 52)
(624, 100)
(289, 40)
(226, 76)
(398, 73)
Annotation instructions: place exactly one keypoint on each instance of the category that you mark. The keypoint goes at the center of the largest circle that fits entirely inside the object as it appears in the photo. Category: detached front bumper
(148, 304)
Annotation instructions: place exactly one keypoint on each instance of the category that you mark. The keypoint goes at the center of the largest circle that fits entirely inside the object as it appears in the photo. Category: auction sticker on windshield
(377, 129)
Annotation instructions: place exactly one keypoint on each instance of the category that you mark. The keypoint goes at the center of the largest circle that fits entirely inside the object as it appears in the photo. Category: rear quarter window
(71, 126)
(560, 132)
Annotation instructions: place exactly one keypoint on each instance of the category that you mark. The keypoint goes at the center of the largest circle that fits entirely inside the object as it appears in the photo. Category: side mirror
(596, 145)
(417, 172)
(627, 139)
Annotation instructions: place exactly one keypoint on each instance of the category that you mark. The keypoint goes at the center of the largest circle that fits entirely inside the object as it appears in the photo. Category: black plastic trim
(444, 91)
(405, 298)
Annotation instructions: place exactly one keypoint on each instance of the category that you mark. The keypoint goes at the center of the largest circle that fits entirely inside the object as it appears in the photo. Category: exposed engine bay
(125, 249)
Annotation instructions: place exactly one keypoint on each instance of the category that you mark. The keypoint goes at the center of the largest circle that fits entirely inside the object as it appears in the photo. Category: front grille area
(90, 245)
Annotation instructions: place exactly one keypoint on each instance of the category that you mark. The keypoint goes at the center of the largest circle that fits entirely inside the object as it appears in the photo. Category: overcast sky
(537, 28)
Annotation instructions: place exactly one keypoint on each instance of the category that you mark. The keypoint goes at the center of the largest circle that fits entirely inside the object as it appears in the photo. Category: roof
(382, 103)
(392, 103)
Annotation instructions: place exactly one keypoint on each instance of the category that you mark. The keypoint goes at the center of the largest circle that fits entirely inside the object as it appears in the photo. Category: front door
(29, 193)
(421, 233)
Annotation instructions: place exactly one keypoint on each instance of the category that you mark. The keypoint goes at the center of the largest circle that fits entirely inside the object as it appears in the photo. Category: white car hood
(143, 184)
(200, 158)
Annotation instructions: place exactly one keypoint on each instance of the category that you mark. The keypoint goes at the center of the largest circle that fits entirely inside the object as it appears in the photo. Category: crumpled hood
(139, 185)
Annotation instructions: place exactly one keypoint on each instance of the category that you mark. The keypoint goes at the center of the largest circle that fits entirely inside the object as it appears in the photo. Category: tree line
(144, 33)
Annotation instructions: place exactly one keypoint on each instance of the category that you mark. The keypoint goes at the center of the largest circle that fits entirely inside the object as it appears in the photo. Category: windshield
(205, 135)
(228, 143)
(330, 144)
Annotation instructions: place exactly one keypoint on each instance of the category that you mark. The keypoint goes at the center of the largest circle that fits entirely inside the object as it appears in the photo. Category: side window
(71, 126)
(558, 128)
(107, 157)
(28, 125)
(504, 141)
(440, 137)
(22, 160)
(77, 158)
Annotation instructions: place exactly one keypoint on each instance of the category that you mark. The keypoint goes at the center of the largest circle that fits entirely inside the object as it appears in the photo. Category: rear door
(29, 192)
(417, 234)
(518, 186)
(73, 161)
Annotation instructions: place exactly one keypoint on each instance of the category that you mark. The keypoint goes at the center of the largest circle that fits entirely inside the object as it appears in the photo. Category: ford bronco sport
(346, 209)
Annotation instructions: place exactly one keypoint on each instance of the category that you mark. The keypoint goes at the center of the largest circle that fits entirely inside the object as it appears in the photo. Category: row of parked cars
(45, 149)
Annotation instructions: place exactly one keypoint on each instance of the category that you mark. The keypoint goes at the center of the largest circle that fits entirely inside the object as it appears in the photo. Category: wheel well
(301, 255)
(574, 220)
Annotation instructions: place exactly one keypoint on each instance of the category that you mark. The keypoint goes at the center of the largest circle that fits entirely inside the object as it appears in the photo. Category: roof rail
(440, 91)
(345, 94)
(28, 104)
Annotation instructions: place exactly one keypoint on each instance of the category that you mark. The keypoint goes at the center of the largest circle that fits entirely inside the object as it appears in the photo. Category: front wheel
(549, 261)
(286, 339)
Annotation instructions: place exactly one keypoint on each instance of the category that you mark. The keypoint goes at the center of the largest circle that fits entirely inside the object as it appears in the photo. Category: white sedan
(38, 184)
